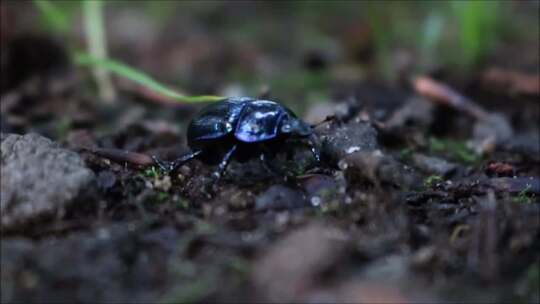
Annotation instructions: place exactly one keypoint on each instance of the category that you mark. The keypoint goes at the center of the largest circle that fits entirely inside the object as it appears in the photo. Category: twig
(123, 156)
(513, 81)
(443, 94)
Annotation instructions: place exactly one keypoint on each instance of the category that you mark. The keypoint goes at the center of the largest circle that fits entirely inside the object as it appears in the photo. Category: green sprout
(141, 78)
(96, 41)
(56, 17)
(151, 172)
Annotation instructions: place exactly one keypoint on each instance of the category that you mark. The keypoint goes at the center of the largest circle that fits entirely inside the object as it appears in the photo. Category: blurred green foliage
(57, 16)
(479, 24)
(474, 26)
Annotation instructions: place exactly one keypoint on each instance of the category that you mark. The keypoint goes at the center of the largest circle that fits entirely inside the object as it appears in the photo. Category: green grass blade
(54, 17)
(94, 25)
(141, 78)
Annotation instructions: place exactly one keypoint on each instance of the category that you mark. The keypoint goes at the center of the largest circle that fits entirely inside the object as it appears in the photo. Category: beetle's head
(295, 127)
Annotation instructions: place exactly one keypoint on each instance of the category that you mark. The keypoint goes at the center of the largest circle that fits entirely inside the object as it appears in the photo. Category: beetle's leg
(184, 159)
(327, 119)
(316, 153)
(162, 164)
(172, 166)
(314, 148)
(224, 163)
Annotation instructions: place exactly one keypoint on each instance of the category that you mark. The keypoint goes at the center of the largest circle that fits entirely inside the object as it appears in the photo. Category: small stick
(123, 156)
(443, 94)
(513, 81)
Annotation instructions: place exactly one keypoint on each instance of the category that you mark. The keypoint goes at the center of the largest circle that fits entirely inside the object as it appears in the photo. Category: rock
(525, 143)
(280, 197)
(288, 270)
(108, 264)
(379, 169)
(320, 189)
(319, 112)
(342, 140)
(106, 179)
(367, 291)
(385, 280)
(514, 185)
(433, 165)
(38, 178)
(492, 131)
(415, 111)
(392, 268)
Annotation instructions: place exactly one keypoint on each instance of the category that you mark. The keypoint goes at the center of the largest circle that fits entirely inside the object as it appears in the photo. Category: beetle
(243, 127)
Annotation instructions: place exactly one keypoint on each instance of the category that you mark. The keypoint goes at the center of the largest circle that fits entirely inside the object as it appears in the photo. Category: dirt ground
(427, 191)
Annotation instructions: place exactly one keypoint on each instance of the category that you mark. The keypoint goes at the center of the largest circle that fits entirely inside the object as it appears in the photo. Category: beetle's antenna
(327, 119)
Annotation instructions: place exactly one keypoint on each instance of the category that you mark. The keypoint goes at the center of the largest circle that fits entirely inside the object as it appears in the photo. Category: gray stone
(495, 125)
(416, 110)
(342, 140)
(492, 131)
(433, 165)
(38, 178)
(279, 197)
(108, 264)
(289, 268)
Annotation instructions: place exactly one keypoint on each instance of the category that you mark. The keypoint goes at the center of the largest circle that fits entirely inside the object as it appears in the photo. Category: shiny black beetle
(244, 127)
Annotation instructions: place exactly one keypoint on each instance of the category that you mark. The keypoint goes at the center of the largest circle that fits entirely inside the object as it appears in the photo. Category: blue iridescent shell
(245, 119)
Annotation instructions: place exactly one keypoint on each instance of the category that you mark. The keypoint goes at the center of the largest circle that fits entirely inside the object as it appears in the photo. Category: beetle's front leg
(164, 165)
(168, 166)
(224, 163)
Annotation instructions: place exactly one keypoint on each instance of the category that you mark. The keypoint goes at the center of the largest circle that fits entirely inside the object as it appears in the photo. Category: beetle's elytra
(241, 126)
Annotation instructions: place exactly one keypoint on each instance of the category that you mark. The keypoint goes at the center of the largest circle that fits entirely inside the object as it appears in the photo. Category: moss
(432, 180)
(406, 154)
(162, 196)
(193, 291)
(523, 196)
(457, 150)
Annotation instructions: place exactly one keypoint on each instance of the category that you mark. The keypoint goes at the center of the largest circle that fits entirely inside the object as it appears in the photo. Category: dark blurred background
(302, 51)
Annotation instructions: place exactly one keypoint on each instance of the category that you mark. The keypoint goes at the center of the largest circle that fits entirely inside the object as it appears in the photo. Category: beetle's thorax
(259, 121)
(294, 127)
